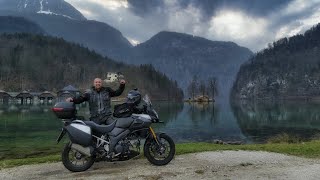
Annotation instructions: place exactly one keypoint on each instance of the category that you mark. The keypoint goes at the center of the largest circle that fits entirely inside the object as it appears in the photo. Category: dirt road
(206, 165)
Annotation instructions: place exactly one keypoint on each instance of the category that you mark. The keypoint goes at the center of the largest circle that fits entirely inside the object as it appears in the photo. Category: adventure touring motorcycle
(117, 141)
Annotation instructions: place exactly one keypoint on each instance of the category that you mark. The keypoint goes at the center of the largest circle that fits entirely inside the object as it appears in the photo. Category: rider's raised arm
(81, 98)
(117, 92)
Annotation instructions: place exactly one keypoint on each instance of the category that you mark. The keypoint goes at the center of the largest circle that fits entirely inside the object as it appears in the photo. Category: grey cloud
(131, 24)
(144, 18)
(210, 7)
(285, 19)
(145, 7)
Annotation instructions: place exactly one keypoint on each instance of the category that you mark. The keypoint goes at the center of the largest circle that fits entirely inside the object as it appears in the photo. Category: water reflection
(198, 111)
(30, 130)
(262, 120)
(202, 122)
(168, 111)
(27, 131)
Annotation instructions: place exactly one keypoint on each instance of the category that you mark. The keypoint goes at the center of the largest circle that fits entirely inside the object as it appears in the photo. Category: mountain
(95, 35)
(38, 63)
(9, 24)
(181, 56)
(60, 19)
(289, 68)
(53, 7)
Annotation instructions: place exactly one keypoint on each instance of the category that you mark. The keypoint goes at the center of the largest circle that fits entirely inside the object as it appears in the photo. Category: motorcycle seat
(100, 128)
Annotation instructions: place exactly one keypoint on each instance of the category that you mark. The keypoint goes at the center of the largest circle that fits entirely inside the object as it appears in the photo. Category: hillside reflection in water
(28, 130)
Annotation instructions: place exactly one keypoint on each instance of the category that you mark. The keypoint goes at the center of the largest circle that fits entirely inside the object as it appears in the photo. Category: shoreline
(284, 98)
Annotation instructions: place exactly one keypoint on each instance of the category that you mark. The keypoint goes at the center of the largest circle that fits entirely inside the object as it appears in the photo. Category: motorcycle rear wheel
(71, 158)
(160, 155)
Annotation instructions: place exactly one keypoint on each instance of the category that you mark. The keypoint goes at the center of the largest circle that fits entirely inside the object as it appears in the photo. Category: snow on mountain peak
(50, 7)
(25, 3)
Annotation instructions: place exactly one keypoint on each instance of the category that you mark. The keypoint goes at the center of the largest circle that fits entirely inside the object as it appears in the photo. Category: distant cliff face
(181, 56)
(288, 69)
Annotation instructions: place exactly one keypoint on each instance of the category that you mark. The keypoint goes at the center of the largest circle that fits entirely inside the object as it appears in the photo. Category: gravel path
(206, 165)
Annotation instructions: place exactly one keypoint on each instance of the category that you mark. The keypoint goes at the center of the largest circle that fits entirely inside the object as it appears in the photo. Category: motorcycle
(121, 140)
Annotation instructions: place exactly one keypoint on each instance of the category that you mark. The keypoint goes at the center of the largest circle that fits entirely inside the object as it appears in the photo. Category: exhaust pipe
(83, 150)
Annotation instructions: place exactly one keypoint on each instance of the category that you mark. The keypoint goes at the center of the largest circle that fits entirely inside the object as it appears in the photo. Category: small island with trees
(202, 91)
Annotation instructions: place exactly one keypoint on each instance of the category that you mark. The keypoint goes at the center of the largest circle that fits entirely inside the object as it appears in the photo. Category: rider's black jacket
(99, 101)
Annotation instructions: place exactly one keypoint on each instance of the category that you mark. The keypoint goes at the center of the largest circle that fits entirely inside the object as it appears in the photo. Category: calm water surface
(29, 131)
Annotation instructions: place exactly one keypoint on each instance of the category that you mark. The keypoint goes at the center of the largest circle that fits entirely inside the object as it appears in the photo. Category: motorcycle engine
(123, 146)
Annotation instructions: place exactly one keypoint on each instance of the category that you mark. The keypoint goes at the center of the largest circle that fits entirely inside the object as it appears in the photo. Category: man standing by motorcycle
(99, 99)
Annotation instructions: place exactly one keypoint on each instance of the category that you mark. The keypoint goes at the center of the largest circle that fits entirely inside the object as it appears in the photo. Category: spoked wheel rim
(161, 151)
(160, 154)
(77, 159)
(74, 160)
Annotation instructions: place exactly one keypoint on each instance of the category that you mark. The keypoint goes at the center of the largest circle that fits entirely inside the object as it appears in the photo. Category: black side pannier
(123, 110)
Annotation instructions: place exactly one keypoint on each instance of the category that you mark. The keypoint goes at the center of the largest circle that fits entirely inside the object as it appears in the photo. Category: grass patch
(18, 162)
(303, 149)
(284, 138)
(19, 148)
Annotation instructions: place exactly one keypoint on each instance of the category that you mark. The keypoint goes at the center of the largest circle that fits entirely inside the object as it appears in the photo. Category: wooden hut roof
(4, 94)
(46, 94)
(66, 92)
(69, 88)
(24, 94)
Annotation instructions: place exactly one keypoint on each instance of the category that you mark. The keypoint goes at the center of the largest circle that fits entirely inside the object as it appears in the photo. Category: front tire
(75, 161)
(159, 155)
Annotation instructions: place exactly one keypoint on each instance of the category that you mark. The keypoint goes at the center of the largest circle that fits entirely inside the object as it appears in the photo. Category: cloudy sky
(249, 23)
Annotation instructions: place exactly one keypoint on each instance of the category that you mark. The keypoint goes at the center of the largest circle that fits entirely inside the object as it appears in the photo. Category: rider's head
(97, 83)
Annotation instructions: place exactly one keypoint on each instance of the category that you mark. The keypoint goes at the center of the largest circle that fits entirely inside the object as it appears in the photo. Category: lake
(29, 131)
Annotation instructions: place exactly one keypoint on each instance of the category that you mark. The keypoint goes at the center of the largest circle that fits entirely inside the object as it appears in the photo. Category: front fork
(155, 137)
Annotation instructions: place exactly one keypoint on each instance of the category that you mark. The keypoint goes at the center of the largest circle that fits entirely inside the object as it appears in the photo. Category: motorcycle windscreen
(79, 134)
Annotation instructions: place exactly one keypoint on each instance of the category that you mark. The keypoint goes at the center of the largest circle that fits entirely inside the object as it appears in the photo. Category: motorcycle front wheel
(75, 161)
(162, 153)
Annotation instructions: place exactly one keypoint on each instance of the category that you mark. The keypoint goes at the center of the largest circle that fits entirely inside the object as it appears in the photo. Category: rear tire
(71, 158)
(159, 155)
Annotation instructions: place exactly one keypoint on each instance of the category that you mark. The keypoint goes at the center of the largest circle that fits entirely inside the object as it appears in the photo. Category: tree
(46, 63)
(202, 88)
(193, 86)
(213, 86)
